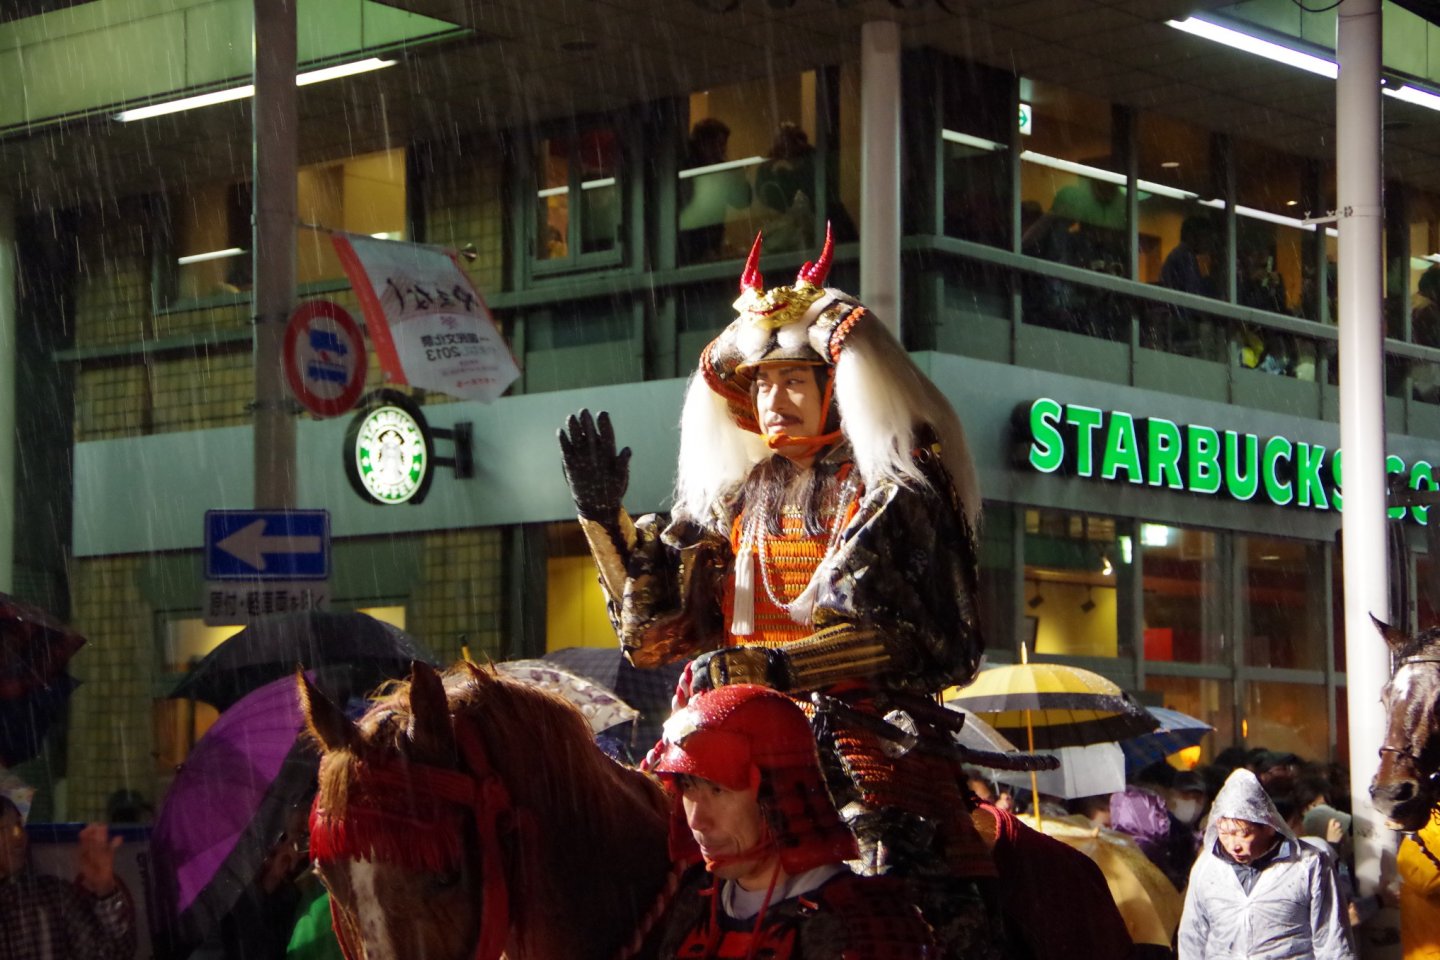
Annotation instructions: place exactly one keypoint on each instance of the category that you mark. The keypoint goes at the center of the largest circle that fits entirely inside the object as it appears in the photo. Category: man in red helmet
(822, 539)
(740, 763)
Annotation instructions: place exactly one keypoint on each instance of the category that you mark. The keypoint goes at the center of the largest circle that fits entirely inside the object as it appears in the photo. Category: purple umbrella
(227, 806)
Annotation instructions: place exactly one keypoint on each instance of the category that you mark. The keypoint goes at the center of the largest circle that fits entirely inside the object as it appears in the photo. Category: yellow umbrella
(1049, 705)
(1147, 900)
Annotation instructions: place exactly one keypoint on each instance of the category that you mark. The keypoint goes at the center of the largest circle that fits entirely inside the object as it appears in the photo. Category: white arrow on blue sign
(267, 544)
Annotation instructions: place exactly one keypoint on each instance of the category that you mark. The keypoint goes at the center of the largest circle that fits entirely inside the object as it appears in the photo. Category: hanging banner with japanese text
(428, 324)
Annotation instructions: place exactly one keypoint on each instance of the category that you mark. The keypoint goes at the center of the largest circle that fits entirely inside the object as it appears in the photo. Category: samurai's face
(788, 403)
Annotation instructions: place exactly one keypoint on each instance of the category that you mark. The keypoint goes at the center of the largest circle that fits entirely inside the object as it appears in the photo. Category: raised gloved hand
(596, 473)
(719, 668)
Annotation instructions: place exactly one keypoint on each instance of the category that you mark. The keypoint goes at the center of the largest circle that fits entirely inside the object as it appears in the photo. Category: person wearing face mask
(1187, 798)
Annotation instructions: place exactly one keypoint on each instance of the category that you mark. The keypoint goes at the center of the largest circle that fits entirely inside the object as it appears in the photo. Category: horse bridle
(1405, 752)
(1432, 780)
(484, 794)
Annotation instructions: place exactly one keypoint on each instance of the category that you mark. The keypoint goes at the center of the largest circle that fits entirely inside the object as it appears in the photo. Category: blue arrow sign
(267, 544)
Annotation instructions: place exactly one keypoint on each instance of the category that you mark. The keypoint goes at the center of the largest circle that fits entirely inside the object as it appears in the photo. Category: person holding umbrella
(46, 918)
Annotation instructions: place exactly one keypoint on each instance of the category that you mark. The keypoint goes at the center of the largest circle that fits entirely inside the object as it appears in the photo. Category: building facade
(1108, 264)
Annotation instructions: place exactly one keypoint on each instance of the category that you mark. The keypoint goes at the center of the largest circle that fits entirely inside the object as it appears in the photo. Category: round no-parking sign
(324, 358)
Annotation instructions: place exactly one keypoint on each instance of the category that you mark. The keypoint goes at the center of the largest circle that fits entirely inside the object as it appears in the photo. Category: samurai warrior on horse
(820, 567)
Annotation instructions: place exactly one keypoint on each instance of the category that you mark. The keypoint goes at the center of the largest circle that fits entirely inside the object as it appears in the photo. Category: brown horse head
(1405, 787)
(464, 815)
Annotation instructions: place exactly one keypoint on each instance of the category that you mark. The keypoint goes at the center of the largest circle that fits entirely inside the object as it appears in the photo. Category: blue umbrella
(1176, 732)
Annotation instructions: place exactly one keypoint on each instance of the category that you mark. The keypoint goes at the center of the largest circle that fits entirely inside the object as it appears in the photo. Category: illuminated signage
(1118, 447)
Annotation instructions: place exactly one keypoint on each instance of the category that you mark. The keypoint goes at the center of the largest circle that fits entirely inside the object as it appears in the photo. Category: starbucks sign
(389, 452)
(1114, 446)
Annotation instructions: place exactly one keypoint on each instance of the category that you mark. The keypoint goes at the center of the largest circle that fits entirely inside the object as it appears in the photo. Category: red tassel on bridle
(411, 815)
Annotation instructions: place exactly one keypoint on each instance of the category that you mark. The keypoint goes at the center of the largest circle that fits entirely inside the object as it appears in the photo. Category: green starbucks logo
(389, 452)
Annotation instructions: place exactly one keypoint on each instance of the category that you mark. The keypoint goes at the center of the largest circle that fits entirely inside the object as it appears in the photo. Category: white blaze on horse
(472, 815)
(1406, 787)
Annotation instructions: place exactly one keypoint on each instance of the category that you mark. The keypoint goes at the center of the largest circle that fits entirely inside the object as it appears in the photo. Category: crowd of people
(1216, 830)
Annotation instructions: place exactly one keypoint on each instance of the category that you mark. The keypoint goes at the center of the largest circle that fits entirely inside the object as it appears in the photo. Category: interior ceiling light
(1290, 56)
(1170, 164)
(1415, 95)
(248, 90)
(211, 255)
(1253, 44)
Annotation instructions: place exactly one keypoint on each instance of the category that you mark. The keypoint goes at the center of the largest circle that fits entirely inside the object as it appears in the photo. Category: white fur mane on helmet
(882, 397)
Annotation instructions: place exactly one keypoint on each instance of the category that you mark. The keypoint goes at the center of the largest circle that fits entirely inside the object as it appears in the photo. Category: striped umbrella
(1177, 731)
(1060, 706)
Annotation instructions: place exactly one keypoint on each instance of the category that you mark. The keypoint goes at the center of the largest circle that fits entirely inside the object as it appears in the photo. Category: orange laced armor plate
(784, 565)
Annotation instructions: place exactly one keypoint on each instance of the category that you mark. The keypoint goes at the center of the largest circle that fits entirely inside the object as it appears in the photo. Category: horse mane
(581, 819)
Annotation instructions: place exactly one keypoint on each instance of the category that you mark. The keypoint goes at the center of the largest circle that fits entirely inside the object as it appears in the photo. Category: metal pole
(9, 323)
(880, 170)
(274, 140)
(1362, 414)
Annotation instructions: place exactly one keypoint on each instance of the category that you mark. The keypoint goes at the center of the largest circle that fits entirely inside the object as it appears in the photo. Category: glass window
(1282, 603)
(1072, 207)
(750, 164)
(975, 143)
(1210, 700)
(575, 614)
(1181, 215)
(584, 165)
(1072, 566)
(997, 584)
(1272, 246)
(1423, 212)
(1184, 609)
(363, 194)
(1287, 717)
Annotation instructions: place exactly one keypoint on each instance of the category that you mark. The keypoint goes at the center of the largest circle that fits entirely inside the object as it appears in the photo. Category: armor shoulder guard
(878, 919)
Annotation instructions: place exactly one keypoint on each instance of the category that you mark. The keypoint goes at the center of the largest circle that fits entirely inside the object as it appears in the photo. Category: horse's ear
(1394, 639)
(431, 737)
(327, 723)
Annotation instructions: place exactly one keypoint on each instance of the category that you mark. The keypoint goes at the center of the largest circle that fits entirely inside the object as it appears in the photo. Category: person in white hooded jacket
(1256, 892)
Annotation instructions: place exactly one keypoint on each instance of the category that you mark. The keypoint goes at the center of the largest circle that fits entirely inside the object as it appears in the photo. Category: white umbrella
(1084, 772)
(601, 708)
(979, 735)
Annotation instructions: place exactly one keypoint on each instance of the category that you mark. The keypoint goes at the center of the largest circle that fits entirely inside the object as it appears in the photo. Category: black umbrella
(25, 719)
(349, 652)
(34, 650)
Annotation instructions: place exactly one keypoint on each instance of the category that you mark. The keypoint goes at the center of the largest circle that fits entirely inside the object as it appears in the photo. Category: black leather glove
(597, 475)
(720, 668)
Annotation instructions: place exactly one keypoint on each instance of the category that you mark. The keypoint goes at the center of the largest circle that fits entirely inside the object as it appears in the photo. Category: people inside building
(43, 917)
(823, 539)
(706, 197)
(751, 803)
(1189, 266)
(1256, 891)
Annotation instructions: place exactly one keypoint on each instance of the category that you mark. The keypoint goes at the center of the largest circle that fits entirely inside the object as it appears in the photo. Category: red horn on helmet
(750, 279)
(816, 272)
